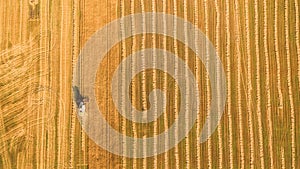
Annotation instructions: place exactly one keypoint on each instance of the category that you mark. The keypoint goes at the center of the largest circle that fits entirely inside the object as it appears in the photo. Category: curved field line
(209, 142)
(154, 84)
(42, 67)
(239, 73)
(176, 87)
(186, 58)
(133, 92)
(249, 85)
(220, 144)
(197, 66)
(228, 72)
(76, 49)
(123, 55)
(71, 118)
(43, 42)
(258, 90)
(165, 84)
(278, 74)
(61, 149)
(289, 79)
(76, 32)
(267, 64)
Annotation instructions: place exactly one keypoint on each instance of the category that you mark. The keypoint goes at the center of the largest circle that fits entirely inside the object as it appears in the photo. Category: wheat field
(258, 43)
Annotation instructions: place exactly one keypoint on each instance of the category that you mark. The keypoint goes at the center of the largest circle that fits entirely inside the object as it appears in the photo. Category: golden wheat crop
(258, 43)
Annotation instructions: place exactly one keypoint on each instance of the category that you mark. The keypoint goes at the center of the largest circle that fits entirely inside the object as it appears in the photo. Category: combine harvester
(80, 100)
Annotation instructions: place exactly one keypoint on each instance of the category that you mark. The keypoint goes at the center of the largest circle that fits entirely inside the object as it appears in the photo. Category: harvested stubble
(257, 41)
